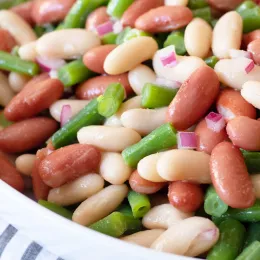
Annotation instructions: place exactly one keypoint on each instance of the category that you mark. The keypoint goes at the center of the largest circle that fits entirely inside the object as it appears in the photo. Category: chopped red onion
(65, 116)
(187, 140)
(53, 74)
(249, 67)
(169, 60)
(104, 28)
(239, 53)
(117, 27)
(215, 122)
(168, 83)
(47, 65)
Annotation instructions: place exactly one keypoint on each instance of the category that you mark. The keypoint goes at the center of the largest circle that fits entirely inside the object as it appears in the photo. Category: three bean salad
(139, 119)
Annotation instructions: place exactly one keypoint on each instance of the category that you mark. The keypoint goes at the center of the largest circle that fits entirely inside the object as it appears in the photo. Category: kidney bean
(249, 37)
(7, 41)
(9, 174)
(231, 104)
(164, 19)
(225, 5)
(207, 139)
(24, 10)
(97, 17)
(194, 98)
(24, 163)
(49, 11)
(254, 49)
(27, 134)
(138, 8)
(36, 96)
(96, 86)
(244, 133)
(94, 58)
(256, 183)
(230, 177)
(68, 163)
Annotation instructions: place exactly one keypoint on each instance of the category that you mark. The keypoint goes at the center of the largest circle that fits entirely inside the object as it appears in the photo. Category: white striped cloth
(14, 245)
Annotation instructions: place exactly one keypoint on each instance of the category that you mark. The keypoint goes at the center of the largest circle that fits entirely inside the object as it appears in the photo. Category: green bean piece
(160, 139)
(154, 96)
(80, 10)
(125, 210)
(116, 224)
(204, 13)
(232, 234)
(252, 234)
(139, 203)
(252, 252)
(3, 121)
(196, 4)
(109, 38)
(211, 61)
(68, 133)
(9, 62)
(252, 160)
(245, 5)
(121, 36)
(15, 51)
(176, 39)
(116, 8)
(6, 4)
(213, 22)
(213, 204)
(56, 208)
(42, 29)
(133, 33)
(73, 73)
(111, 100)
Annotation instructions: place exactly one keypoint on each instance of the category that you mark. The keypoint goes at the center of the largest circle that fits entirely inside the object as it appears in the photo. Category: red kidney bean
(7, 41)
(249, 37)
(25, 11)
(254, 49)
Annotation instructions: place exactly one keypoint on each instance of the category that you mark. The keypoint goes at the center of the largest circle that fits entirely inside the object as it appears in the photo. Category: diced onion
(65, 116)
(187, 140)
(249, 67)
(215, 122)
(47, 65)
(169, 60)
(168, 83)
(117, 27)
(233, 54)
(104, 28)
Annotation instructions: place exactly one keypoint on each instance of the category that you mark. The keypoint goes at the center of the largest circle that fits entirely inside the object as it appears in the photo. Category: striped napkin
(14, 245)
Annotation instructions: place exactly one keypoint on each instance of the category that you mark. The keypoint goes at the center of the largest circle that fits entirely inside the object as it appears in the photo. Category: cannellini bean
(139, 76)
(198, 37)
(76, 106)
(227, 34)
(144, 121)
(176, 2)
(113, 168)
(173, 166)
(188, 237)
(232, 73)
(6, 93)
(17, 81)
(24, 163)
(147, 168)
(143, 238)
(163, 216)
(77, 190)
(130, 54)
(251, 93)
(19, 28)
(111, 139)
(255, 178)
(100, 205)
(65, 44)
(115, 120)
(28, 51)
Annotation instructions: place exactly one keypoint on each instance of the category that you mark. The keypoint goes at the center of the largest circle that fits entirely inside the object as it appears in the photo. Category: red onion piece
(233, 54)
(53, 74)
(117, 27)
(215, 122)
(169, 60)
(47, 65)
(65, 116)
(168, 83)
(187, 140)
(249, 67)
(104, 28)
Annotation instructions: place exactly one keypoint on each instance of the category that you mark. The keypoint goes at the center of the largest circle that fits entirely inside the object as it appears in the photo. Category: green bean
(133, 33)
(213, 204)
(9, 62)
(125, 210)
(116, 8)
(56, 208)
(15, 51)
(3, 121)
(121, 36)
(211, 61)
(176, 39)
(73, 73)
(160, 139)
(196, 4)
(213, 22)
(139, 203)
(252, 160)
(154, 96)
(109, 38)
(111, 100)
(232, 234)
(42, 29)
(252, 252)
(204, 13)
(6, 4)
(252, 234)
(68, 133)
(245, 5)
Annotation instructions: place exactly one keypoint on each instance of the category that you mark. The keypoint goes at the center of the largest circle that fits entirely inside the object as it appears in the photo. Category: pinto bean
(24, 10)
(254, 48)
(7, 41)
(230, 177)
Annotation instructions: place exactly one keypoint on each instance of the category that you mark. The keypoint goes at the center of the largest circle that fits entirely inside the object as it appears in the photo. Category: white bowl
(66, 238)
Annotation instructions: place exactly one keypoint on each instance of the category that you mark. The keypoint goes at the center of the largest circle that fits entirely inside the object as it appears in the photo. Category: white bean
(66, 44)
(17, 81)
(100, 205)
(251, 93)
(76, 106)
(28, 51)
(227, 34)
(231, 72)
(189, 237)
(143, 238)
(184, 165)
(144, 121)
(17, 27)
(6, 93)
(130, 54)
(139, 76)
(111, 139)
(113, 168)
(163, 216)
(77, 190)
(256, 184)
(198, 38)
(176, 2)
(135, 102)
(24, 163)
